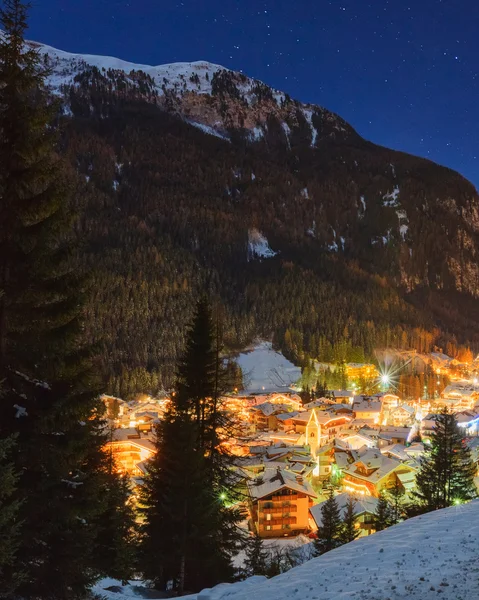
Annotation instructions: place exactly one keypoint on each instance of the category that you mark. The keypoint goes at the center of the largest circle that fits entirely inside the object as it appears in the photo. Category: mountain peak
(203, 93)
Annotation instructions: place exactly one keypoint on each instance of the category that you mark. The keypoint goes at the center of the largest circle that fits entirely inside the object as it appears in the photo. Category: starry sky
(404, 73)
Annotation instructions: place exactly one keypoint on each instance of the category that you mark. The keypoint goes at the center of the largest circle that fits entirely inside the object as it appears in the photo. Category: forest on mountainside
(166, 214)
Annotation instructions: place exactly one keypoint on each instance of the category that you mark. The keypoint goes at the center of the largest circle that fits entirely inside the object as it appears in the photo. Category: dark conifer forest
(167, 210)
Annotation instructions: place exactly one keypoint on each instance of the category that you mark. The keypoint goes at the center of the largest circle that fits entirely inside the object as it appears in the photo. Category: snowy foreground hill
(428, 557)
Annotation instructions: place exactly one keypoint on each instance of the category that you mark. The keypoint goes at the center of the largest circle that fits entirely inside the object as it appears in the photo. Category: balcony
(284, 520)
(286, 498)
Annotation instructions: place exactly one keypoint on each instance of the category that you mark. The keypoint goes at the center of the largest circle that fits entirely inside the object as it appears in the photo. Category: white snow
(391, 198)
(333, 247)
(429, 557)
(403, 223)
(209, 130)
(257, 134)
(363, 202)
(267, 371)
(305, 193)
(308, 113)
(115, 185)
(258, 246)
(21, 411)
(253, 176)
(287, 132)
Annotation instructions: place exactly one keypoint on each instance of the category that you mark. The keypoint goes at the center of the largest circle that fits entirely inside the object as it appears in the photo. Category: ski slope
(266, 371)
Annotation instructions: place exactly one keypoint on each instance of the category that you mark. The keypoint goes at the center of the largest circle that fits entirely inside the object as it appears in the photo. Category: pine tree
(349, 531)
(396, 496)
(329, 534)
(9, 524)
(446, 474)
(256, 562)
(116, 530)
(383, 516)
(189, 531)
(50, 400)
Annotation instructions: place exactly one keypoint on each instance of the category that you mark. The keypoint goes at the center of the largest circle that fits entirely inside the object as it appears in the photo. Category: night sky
(404, 73)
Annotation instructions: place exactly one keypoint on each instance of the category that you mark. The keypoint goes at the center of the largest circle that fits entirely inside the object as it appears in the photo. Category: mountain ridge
(355, 246)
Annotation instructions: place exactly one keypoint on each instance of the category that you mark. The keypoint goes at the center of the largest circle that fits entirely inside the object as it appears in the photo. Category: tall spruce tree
(383, 515)
(396, 496)
(189, 532)
(349, 531)
(329, 534)
(50, 401)
(446, 474)
(257, 557)
(9, 524)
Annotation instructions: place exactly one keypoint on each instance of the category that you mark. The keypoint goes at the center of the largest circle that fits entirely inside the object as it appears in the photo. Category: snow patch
(209, 130)
(363, 203)
(21, 411)
(258, 246)
(267, 371)
(287, 133)
(308, 113)
(256, 134)
(305, 193)
(391, 198)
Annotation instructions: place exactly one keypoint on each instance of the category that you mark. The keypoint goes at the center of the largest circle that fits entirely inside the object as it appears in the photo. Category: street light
(385, 379)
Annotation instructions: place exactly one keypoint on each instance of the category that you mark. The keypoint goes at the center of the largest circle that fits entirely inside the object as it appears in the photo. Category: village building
(279, 503)
(367, 410)
(371, 472)
(264, 416)
(345, 396)
(401, 415)
(364, 510)
(389, 434)
(358, 439)
(323, 426)
(358, 371)
(130, 451)
(459, 396)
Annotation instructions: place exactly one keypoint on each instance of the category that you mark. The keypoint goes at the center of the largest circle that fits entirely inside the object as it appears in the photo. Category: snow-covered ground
(267, 371)
(425, 558)
(258, 245)
(429, 557)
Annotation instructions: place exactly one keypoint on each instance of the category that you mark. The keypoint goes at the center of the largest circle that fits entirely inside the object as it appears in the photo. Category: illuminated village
(291, 451)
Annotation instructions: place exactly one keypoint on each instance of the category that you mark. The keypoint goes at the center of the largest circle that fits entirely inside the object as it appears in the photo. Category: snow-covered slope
(66, 65)
(428, 557)
(432, 557)
(266, 371)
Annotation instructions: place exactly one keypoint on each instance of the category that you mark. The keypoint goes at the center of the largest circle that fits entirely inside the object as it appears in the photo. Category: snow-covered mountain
(197, 90)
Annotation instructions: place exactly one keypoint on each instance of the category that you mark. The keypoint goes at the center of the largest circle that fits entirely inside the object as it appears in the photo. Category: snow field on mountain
(266, 371)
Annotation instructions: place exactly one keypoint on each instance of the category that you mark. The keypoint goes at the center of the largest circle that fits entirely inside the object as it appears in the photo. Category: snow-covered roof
(367, 406)
(274, 480)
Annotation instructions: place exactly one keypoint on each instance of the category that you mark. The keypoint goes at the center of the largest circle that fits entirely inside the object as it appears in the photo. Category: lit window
(268, 517)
